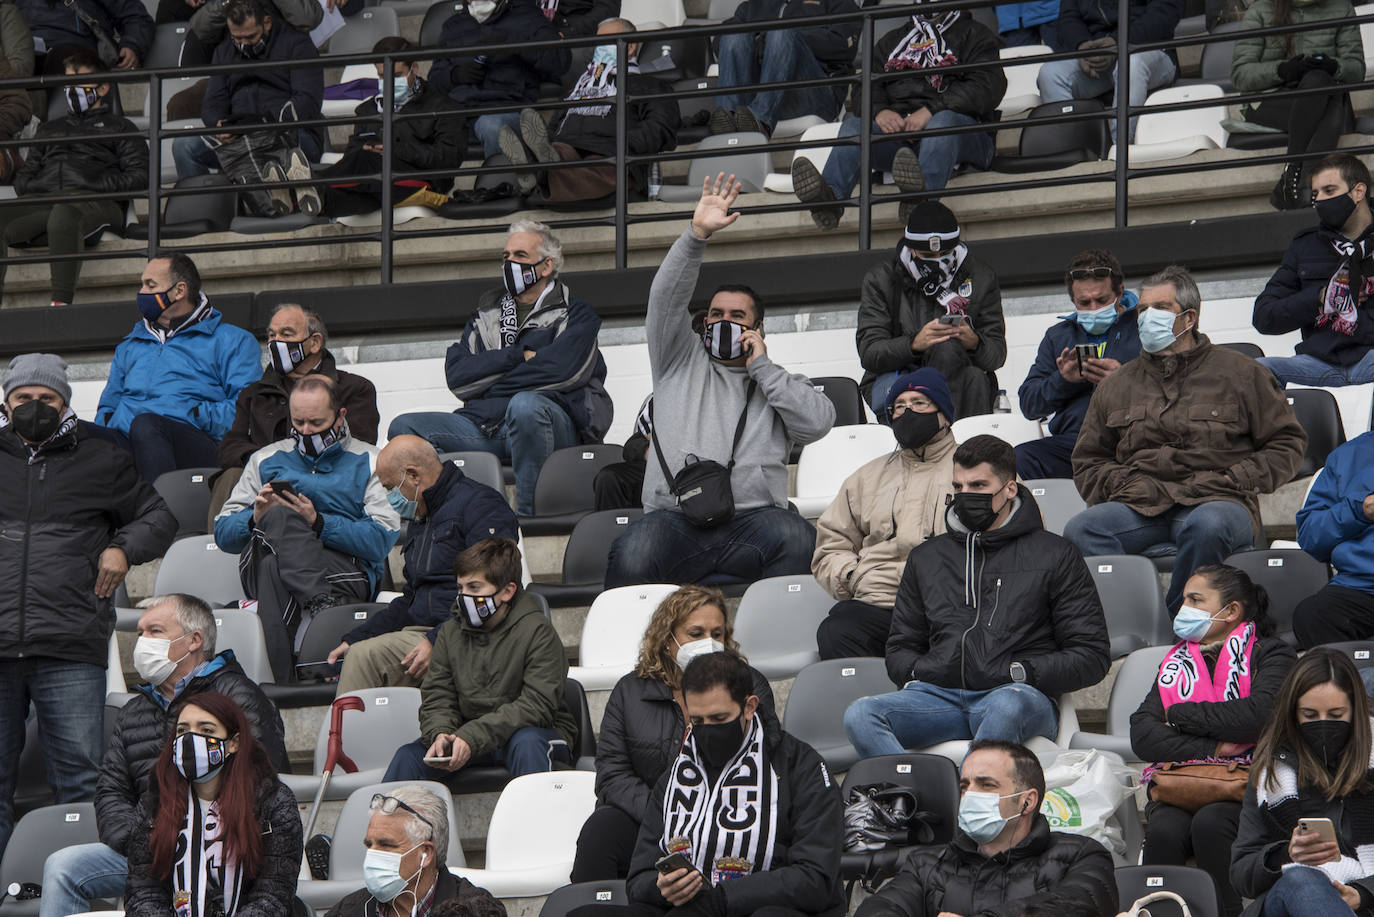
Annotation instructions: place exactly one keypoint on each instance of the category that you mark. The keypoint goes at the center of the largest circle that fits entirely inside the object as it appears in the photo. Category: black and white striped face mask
(722, 339)
(286, 355)
(198, 757)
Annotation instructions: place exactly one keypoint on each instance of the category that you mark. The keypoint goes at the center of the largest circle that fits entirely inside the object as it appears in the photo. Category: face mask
(400, 89)
(286, 355)
(477, 608)
(1096, 321)
(1326, 739)
(1334, 211)
(690, 650)
(914, 429)
(718, 742)
(481, 10)
(198, 757)
(382, 874)
(721, 339)
(403, 505)
(255, 50)
(1157, 330)
(1191, 624)
(518, 277)
(980, 815)
(152, 305)
(604, 54)
(150, 659)
(974, 511)
(35, 421)
(315, 445)
(81, 98)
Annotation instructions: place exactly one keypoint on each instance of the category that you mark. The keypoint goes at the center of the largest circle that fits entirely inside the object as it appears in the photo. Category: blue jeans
(881, 386)
(1049, 457)
(1303, 891)
(938, 155)
(194, 156)
(69, 701)
(531, 750)
(785, 57)
(487, 127)
(1306, 370)
(161, 444)
(1061, 80)
(663, 547)
(921, 715)
(73, 876)
(534, 426)
(1205, 534)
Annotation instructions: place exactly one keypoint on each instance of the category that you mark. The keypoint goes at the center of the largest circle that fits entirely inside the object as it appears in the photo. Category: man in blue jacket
(312, 521)
(1029, 23)
(1075, 355)
(526, 367)
(125, 26)
(177, 374)
(447, 512)
(505, 78)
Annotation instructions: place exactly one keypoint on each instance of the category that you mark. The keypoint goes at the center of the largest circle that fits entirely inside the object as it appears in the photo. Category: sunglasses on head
(1086, 273)
(388, 805)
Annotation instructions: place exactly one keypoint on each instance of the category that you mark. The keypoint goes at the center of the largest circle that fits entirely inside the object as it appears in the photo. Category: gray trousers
(291, 574)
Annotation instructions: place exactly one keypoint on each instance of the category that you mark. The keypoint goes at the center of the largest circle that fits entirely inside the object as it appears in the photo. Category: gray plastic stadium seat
(390, 718)
(1133, 681)
(198, 567)
(820, 695)
(433, 23)
(714, 155)
(365, 29)
(1245, 347)
(241, 631)
(843, 392)
(1289, 575)
(935, 782)
(1361, 652)
(189, 215)
(690, 107)
(1044, 147)
(1128, 586)
(166, 49)
(323, 632)
(497, 206)
(777, 620)
(584, 558)
(187, 492)
(482, 467)
(563, 493)
(1216, 56)
(1189, 883)
(565, 899)
(1059, 501)
(1320, 416)
(38, 834)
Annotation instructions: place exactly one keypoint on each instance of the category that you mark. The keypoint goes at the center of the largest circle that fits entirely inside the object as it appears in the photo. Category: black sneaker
(747, 122)
(514, 148)
(811, 188)
(317, 856)
(722, 122)
(906, 172)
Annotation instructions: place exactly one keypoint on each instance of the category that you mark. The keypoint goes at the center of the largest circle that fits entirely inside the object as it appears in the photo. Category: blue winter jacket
(1332, 526)
(195, 376)
(1024, 15)
(460, 513)
(343, 485)
(1045, 392)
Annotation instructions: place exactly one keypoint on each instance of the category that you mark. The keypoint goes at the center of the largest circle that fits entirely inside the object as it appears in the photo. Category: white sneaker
(298, 170)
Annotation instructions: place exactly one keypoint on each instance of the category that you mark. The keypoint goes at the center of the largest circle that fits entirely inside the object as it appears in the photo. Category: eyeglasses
(388, 805)
(920, 407)
(1091, 273)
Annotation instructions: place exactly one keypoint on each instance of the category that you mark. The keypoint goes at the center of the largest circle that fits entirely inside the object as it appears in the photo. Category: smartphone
(310, 671)
(672, 863)
(1084, 352)
(281, 488)
(954, 319)
(1322, 827)
(438, 760)
(367, 136)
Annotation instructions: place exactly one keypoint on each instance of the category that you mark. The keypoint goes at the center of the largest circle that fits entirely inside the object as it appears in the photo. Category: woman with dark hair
(224, 834)
(1311, 766)
(1215, 689)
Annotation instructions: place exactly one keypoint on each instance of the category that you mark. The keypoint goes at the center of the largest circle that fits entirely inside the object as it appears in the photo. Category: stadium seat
(819, 156)
(1059, 501)
(1013, 428)
(1022, 92)
(1361, 652)
(1289, 576)
(390, 719)
(197, 566)
(933, 779)
(399, 215)
(563, 493)
(612, 632)
(1044, 147)
(1128, 587)
(187, 215)
(493, 209)
(1189, 883)
(1320, 416)
(435, 17)
(563, 900)
(957, 749)
(689, 108)
(575, 699)
(1367, 36)
(669, 12)
(364, 29)
(241, 631)
(825, 464)
(346, 852)
(777, 620)
(482, 467)
(1133, 681)
(343, 108)
(713, 154)
(843, 392)
(819, 697)
(584, 558)
(323, 632)
(1175, 134)
(1216, 57)
(721, 10)
(260, 226)
(37, 834)
(689, 57)
(1245, 347)
(166, 48)
(187, 492)
(533, 834)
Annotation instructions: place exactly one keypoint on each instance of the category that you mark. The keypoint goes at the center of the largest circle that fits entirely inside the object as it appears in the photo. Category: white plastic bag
(1082, 792)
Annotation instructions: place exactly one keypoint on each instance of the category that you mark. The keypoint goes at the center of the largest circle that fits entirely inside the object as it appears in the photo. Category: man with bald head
(447, 512)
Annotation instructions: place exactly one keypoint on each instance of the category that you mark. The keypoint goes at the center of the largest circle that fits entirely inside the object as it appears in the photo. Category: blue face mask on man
(604, 54)
(1157, 330)
(403, 505)
(1096, 321)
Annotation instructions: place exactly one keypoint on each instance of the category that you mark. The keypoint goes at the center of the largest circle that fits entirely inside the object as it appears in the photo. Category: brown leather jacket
(1185, 429)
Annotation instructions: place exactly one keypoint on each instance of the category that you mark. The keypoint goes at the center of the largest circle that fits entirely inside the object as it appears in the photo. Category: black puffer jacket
(53, 22)
(512, 76)
(1046, 868)
(1292, 300)
(1082, 20)
(581, 17)
(975, 93)
(1195, 728)
(143, 728)
(641, 733)
(1030, 600)
(58, 511)
(475, 902)
(84, 165)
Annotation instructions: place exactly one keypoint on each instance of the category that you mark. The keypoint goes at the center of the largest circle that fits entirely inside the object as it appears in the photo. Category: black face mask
(718, 742)
(974, 511)
(1334, 211)
(914, 429)
(1326, 739)
(35, 421)
(254, 51)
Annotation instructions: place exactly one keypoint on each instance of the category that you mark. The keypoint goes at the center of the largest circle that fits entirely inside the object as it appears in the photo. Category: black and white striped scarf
(65, 426)
(935, 276)
(165, 334)
(203, 864)
(549, 8)
(510, 324)
(925, 46)
(727, 829)
(1348, 286)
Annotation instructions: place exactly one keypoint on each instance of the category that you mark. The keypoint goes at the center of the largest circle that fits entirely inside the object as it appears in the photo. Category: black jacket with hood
(971, 604)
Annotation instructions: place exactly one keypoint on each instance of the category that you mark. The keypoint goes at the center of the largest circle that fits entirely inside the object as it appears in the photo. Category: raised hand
(713, 210)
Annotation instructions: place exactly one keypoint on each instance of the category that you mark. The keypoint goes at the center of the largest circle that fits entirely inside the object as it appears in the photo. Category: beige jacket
(884, 509)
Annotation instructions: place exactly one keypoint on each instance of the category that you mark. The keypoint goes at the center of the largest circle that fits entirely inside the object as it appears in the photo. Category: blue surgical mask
(382, 874)
(400, 90)
(980, 815)
(1157, 330)
(604, 54)
(1096, 321)
(403, 505)
(1191, 624)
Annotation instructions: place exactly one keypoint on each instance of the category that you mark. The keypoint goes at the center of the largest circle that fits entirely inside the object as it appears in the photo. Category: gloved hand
(1322, 62)
(469, 72)
(1291, 70)
(1097, 64)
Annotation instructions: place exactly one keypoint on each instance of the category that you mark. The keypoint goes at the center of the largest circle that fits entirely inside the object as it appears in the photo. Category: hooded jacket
(437, 142)
(60, 507)
(975, 93)
(1292, 299)
(1084, 20)
(882, 511)
(262, 415)
(53, 22)
(193, 376)
(1332, 526)
(1254, 63)
(809, 834)
(510, 76)
(145, 724)
(650, 125)
(1184, 429)
(483, 685)
(67, 166)
(1045, 392)
(459, 513)
(1046, 868)
(971, 604)
(569, 368)
(355, 516)
(16, 62)
(831, 45)
(271, 95)
(472, 901)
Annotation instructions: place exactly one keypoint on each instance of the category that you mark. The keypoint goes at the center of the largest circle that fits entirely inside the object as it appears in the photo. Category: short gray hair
(549, 246)
(1186, 293)
(620, 21)
(313, 323)
(194, 616)
(429, 806)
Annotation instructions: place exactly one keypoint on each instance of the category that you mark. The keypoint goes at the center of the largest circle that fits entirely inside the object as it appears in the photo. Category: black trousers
(1333, 614)
(854, 628)
(605, 846)
(1312, 122)
(620, 486)
(1173, 835)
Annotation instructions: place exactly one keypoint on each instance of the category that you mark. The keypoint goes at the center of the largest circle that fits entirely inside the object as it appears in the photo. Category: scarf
(165, 334)
(596, 82)
(65, 426)
(549, 8)
(644, 420)
(936, 278)
(509, 325)
(202, 863)
(1339, 303)
(731, 825)
(1183, 673)
(925, 46)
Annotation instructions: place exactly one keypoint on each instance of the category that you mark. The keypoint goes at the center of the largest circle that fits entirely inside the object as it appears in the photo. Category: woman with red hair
(224, 836)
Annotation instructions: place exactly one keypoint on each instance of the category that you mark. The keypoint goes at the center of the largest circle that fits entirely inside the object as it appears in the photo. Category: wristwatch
(1018, 673)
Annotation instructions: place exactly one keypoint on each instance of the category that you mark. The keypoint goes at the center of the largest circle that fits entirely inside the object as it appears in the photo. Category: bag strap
(1138, 906)
(734, 444)
(93, 24)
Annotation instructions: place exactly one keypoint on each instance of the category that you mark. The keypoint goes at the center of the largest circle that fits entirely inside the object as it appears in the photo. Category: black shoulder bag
(702, 487)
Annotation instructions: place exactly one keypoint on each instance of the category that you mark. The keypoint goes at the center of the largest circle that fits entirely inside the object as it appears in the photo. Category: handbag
(1189, 785)
(1138, 906)
(880, 815)
(106, 46)
(702, 487)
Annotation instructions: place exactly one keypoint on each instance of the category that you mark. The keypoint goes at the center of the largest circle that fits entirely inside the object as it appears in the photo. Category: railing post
(388, 141)
(1123, 108)
(865, 131)
(154, 161)
(622, 171)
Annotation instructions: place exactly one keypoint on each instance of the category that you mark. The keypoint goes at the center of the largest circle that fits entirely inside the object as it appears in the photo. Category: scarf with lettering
(1349, 286)
(1183, 673)
(204, 866)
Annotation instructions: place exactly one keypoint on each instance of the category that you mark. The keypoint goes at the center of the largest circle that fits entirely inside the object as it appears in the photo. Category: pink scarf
(1183, 673)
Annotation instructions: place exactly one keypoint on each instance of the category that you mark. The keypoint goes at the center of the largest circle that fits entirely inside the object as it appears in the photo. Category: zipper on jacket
(977, 610)
(996, 598)
(28, 539)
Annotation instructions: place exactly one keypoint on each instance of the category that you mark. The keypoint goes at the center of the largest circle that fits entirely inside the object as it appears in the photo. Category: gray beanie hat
(47, 369)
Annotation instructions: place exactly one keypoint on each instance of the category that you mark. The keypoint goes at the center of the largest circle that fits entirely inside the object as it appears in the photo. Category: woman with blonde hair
(644, 726)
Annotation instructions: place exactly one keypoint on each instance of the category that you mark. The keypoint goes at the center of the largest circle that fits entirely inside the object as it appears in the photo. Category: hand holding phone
(1314, 842)
(281, 487)
(672, 862)
(1323, 828)
(954, 318)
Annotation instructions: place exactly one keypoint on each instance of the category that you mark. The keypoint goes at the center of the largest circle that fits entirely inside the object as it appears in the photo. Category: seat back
(166, 48)
(389, 719)
(641, 12)
(482, 467)
(196, 566)
(432, 26)
(589, 545)
(777, 620)
(327, 628)
(844, 393)
(1245, 347)
(1012, 428)
(41, 832)
(347, 851)
(1288, 575)
(1361, 652)
(186, 490)
(364, 29)
(715, 154)
(565, 479)
(1189, 883)
(819, 697)
(216, 210)
(933, 778)
(689, 107)
(1180, 125)
(1023, 91)
(721, 10)
(1059, 501)
(1050, 139)
(1128, 587)
(615, 624)
(1320, 416)
(537, 819)
(1133, 681)
(563, 900)
(575, 699)
(240, 630)
(825, 464)
(1216, 56)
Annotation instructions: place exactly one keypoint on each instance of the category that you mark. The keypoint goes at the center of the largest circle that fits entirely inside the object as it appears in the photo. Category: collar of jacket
(1025, 519)
(449, 477)
(1032, 845)
(522, 605)
(277, 382)
(11, 442)
(220, 661)
(208, 323)
(445, 889)
(940, 446)
(1169, 364)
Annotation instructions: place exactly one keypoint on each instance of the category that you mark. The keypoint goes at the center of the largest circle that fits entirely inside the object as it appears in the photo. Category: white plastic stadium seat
(390, 718)
(1175, 134)
(197, 566)
(642, 12)
(825, 464)
(1012, 428)
(1367, 36)
(819, 156)
(612, 632)
(777, 620)
(342, 108)
(1022, 92)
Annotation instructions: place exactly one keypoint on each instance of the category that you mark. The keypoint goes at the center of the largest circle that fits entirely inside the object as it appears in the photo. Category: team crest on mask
(727, 868)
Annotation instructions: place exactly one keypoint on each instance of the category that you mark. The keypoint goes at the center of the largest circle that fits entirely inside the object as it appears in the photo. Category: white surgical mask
(481, 10)
(382, 873)
(150, 659)
(690, 650)
(980, 815)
